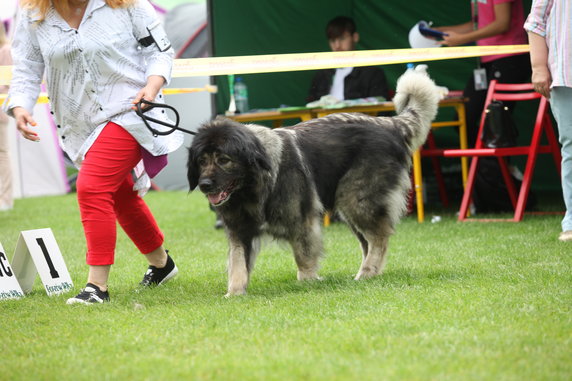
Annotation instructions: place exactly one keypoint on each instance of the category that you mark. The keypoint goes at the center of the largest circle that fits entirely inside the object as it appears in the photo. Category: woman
(494, 22)
(550, 35)
(100, 57)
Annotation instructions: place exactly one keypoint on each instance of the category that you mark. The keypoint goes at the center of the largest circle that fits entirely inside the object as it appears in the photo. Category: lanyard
(475, 13)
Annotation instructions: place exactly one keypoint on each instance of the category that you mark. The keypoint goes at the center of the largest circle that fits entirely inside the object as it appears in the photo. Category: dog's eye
(223, 160)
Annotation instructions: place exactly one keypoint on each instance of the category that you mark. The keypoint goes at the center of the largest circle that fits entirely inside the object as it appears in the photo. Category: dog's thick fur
(280, 181)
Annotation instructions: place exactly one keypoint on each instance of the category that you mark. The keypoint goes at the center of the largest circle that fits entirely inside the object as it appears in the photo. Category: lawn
(457, 301)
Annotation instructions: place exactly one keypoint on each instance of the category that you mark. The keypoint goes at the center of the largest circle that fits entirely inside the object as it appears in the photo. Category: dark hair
(338, 26)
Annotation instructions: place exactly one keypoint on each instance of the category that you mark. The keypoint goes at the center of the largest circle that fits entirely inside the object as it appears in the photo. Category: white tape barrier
(43, 98)
(193, 67)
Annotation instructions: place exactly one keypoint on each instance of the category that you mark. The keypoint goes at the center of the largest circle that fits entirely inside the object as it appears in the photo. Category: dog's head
(224, 157)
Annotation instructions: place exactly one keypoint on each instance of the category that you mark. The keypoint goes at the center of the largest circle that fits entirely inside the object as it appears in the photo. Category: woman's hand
(23, 119)
(541, 79)
(452, 38)
(151, 89)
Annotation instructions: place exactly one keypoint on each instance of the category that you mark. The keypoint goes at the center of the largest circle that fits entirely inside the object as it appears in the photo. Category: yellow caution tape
(43, 98)
(193, 67)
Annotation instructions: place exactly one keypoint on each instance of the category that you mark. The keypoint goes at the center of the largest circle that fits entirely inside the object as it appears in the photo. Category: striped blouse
(552, 19)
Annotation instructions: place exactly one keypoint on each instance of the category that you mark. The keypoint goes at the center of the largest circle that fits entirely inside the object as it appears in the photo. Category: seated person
(348, 82)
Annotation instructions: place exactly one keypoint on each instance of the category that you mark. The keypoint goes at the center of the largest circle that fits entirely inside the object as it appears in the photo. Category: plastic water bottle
(241, 95)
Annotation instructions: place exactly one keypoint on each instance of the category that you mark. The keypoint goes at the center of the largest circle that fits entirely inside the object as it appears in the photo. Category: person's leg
(560, 101)
(139, 224)
(136, 220)
(473, 109)
(6, 197)
(108, 162)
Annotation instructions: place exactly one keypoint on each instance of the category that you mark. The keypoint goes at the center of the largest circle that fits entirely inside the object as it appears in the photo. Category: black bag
(490, 194)
(499, 129)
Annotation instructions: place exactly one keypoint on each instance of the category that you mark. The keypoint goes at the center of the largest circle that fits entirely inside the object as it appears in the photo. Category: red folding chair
(543, 123)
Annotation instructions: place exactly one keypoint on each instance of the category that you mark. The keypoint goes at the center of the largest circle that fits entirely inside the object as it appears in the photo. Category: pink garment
(515, 34)
(153, 164)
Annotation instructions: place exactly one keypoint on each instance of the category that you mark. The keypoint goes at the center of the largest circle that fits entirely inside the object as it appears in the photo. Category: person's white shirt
(92, 73)
(337, 89)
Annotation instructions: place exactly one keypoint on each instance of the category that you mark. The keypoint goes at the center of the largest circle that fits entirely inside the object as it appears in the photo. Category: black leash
(146, 119)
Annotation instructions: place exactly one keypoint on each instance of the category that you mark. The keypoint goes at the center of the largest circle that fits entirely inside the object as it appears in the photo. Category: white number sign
(37, 252)
(9, 286)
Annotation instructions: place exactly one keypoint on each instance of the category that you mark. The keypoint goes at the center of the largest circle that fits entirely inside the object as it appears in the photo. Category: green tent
(251, 27)
(248, 27)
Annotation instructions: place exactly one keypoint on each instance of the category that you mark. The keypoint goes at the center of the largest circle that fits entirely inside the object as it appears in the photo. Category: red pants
(105, 195)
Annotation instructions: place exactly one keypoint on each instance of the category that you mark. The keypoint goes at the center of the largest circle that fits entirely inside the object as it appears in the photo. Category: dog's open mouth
(217, 199)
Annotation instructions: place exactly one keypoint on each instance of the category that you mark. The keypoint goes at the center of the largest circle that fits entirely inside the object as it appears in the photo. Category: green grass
(457, 301)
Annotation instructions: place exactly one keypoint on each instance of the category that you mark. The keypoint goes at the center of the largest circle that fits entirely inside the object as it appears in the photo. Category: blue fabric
(561, 99)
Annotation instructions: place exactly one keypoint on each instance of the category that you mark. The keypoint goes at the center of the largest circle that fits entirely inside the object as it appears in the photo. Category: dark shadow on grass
(273, 285)
(391, 279)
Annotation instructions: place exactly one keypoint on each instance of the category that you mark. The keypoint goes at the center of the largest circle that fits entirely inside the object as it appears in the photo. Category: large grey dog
(280, 181)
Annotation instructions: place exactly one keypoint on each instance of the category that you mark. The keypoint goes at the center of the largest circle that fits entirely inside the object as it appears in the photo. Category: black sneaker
(89, 295)
(155, 276)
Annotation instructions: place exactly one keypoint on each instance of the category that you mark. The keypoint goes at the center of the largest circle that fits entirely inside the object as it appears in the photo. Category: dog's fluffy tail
(416, 98)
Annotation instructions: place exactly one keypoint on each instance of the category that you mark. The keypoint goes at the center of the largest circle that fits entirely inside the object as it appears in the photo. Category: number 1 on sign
(53, 271)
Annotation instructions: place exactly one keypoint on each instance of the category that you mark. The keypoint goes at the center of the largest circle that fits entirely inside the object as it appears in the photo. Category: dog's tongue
(216, 198)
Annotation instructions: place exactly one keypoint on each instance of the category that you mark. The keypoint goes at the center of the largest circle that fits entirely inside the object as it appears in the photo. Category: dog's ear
(259, 157)
(193, 169)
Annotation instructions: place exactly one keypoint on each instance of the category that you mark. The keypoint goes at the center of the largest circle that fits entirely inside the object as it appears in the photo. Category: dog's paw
(302, 276)
(365, 274)
(232, 293)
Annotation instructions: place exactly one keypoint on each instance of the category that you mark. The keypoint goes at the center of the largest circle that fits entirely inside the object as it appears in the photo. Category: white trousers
(6, 195)
(561, 105)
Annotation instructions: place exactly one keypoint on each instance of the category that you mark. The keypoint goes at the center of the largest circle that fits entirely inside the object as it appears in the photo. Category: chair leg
(512, 194)
(438, 173)
(524, 190)
(466, 201)
(528, 172)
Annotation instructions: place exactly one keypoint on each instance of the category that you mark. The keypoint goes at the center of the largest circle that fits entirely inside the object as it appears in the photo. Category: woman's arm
(541, 77)
(27, 76)
(159, 61)
(535, 25)
(460, 28)
(499, 26)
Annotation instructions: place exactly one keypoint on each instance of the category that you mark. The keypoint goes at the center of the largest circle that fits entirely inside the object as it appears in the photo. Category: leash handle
(146, 119)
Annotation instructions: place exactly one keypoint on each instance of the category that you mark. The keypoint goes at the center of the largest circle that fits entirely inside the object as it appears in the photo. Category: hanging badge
(480, 77)
(159, 36)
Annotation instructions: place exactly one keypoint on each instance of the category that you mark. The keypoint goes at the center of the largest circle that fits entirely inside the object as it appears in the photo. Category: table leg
(418, 181)
(463, 143)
